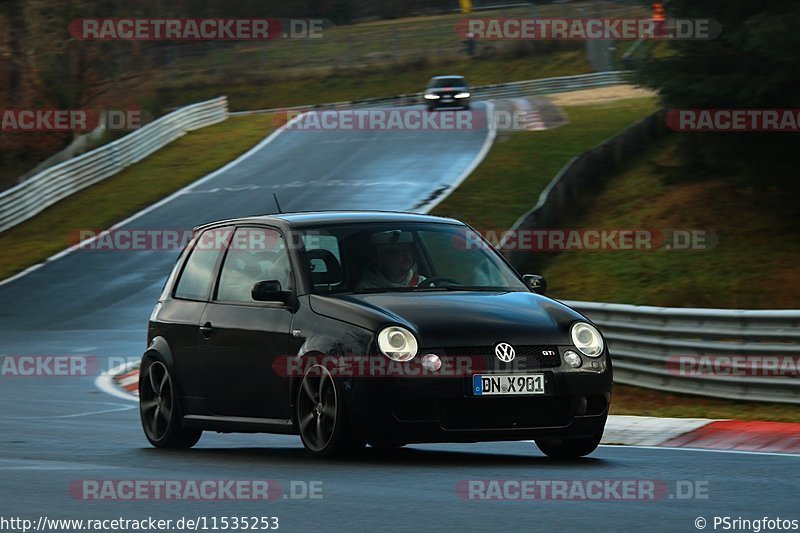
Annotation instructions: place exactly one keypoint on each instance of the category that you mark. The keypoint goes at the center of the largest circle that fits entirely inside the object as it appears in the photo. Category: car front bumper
(575, 404)
(454, 102)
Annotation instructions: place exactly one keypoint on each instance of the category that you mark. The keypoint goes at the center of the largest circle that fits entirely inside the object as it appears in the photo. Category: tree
(753, 64)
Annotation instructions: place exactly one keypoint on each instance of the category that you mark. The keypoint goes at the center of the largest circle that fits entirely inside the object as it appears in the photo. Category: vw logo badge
(505, 352)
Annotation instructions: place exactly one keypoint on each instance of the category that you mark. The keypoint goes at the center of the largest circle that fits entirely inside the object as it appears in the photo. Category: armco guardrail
(485, 92)
(643, 339)
(561, 84)
(583, 174)
(58, 182)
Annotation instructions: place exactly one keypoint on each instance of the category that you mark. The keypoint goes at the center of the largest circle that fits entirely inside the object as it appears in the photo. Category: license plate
(507, 384)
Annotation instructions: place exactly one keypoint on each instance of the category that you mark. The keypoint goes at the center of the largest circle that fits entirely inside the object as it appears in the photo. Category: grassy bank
(752, 266)
(521, 164)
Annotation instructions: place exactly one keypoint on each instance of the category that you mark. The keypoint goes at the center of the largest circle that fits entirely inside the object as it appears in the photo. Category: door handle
(206, 330)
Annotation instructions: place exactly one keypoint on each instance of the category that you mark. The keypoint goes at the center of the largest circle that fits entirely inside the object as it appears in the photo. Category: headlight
(430, 96)
(397, 343)
(587, 339)
(462, 95)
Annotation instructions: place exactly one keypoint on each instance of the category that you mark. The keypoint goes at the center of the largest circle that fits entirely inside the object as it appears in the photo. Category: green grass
(381, 58)
(521, 164)
(140, 185)
(753, 266)
(636, 401)
(373, 42)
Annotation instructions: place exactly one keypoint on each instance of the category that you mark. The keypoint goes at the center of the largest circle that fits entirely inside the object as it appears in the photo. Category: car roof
(452, 76)
(319, 218)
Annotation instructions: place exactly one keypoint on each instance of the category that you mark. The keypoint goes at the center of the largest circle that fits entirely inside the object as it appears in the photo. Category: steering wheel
(430, 281)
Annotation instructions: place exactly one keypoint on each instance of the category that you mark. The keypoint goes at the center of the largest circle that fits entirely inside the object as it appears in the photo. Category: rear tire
(569, 448)
(322, 417)
(159, 410)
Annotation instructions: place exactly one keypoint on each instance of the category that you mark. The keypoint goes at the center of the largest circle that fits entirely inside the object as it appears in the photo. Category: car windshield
(447, 82)
(392, 257)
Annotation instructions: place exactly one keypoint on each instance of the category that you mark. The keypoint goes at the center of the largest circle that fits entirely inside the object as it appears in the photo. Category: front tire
(569, 448)
(322, 416)
(158, 408)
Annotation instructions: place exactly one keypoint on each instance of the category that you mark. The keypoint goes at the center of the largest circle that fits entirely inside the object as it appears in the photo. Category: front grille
(500, 413)
(527, 358)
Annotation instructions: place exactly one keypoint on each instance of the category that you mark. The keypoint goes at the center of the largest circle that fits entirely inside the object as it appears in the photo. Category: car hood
(463, 318)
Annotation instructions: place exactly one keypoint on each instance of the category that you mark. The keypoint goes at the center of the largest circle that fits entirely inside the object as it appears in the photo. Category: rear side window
(198, 274)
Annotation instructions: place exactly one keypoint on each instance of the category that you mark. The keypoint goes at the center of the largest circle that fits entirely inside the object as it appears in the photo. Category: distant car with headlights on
(348, 328)
(447, 91)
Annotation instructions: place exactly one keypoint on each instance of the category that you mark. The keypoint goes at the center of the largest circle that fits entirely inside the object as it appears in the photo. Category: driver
(394, 262)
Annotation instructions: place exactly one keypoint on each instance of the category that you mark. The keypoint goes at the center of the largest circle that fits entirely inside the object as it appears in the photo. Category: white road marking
(32, 464)
(76, 415)
(709, 450)
(487, 145)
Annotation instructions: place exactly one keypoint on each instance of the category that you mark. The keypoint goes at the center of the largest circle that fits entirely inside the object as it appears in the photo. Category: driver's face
(397, 260)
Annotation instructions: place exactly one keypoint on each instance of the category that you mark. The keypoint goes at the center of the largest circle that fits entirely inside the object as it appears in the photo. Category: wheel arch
(159, 349)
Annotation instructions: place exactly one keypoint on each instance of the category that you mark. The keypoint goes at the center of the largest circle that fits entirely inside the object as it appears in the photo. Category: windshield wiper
(373, 290)
(476, 288)
(383, 289)
(399, 289)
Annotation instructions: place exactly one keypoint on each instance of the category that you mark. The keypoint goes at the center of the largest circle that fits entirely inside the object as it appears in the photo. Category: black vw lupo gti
(350, 328)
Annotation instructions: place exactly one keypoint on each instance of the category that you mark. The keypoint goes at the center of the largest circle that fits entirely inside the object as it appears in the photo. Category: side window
(198, 274)
(255, 254)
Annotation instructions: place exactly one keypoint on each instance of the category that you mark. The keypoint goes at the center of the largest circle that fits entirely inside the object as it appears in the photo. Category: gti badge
(505, 352)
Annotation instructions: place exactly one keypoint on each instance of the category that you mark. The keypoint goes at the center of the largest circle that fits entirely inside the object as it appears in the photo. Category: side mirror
(271, 291)
(535, 283)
